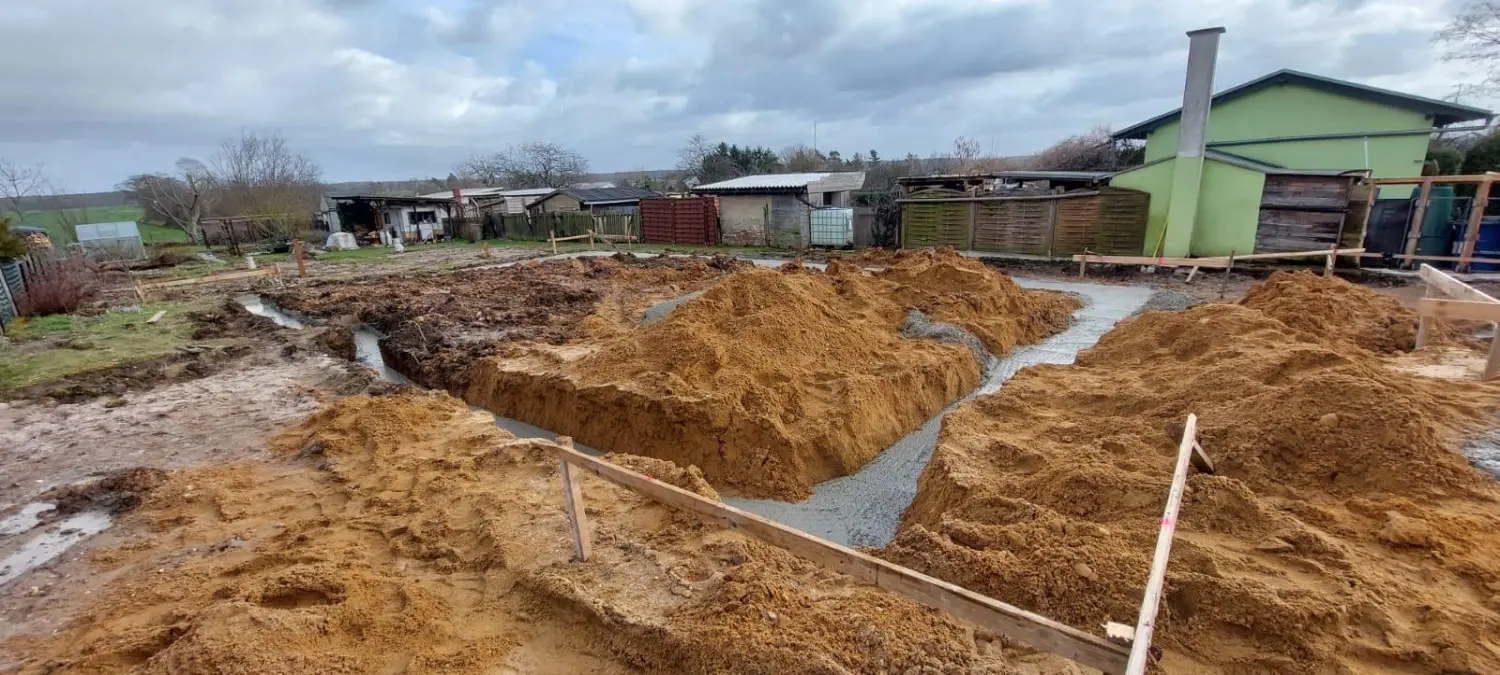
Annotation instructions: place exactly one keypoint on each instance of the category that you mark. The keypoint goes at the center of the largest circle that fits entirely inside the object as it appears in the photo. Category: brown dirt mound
(773, 381)
(414, 536)
(117, 492)
(439, 324)
(1340, 534)
(1334, 309)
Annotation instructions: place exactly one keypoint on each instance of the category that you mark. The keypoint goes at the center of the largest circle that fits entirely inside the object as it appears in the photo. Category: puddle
(48, 544)
(259, 307)
(27, 518)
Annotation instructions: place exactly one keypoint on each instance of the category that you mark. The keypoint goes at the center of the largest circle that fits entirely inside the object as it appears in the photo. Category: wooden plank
(1451, 287)
(1433, 258)
(1492, 363)
(1414, 229)
(1418, 180)
(1201, 461)
(573, 502)
(1458, 309)
(301, 259)
(1033, 629)
(1140, 649)
(1476, 215)
(157, 316)
(210, 279)
(1215, 262)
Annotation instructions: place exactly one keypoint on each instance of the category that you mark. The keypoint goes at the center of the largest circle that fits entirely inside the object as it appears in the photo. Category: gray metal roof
(490, 192)
(829, 181)
(1442, 112)
(614, 195)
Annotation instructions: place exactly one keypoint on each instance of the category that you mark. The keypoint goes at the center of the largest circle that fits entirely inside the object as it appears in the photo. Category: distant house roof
(826, 181)
(490, 192)
(1442, 112)
(613, 195)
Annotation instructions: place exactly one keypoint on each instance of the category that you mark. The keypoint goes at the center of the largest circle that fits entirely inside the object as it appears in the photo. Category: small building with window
(415, 218)
(776, 209)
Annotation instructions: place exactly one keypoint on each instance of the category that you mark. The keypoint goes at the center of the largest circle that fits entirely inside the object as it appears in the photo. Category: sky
(96, 90)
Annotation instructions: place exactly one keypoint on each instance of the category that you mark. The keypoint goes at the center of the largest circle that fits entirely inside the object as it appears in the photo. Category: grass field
(56, 222)
(52, 347)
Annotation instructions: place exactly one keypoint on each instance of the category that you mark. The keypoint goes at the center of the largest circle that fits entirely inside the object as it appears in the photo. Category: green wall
(1228, 206)
(1295, 110)
(1228, 210)
(1155, 179)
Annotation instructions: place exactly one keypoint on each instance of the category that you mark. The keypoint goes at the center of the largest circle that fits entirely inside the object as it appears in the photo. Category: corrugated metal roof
(95, 231)
(782, 181)
(490, 192)
(606, 195)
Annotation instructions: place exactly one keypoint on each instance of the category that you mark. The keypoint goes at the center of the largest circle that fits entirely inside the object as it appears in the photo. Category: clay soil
(438, 324)
(773, 381)
(1340, 534)
(406, 534)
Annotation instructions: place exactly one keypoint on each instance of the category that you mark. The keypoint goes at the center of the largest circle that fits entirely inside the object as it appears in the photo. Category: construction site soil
(406, 534)
(772, 381)
(437, 325)
(1340, 534)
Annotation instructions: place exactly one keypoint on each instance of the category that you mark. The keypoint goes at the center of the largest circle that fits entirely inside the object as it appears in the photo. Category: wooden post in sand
(1333, 252)
(552, 237)
(1140, 650)
(573, 501)
(301, 260)
(486, 250)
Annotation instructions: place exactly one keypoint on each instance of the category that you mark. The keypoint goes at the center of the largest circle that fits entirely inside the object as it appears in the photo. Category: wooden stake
(301, 261)
(1333, 252)
(1492, 364)
(1191, 273)
(1224, 283)
(1414, 229)
(486, 250)
(573, 501)
(1476, 214)
(1424, 322)
(1140, 650)
(552, 236)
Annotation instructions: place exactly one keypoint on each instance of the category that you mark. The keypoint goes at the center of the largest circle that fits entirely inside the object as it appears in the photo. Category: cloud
(385, 89)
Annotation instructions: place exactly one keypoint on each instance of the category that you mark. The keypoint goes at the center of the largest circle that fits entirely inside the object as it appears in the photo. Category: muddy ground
(439, 324)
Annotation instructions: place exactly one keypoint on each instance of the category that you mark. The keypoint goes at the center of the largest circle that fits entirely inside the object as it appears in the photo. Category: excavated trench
(862, 509)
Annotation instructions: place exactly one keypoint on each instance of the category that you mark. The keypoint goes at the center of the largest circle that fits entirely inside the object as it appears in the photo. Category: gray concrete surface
(864, 509)
(660, 310)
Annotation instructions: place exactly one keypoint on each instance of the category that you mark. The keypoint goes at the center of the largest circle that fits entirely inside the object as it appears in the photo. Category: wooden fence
(1107, 221)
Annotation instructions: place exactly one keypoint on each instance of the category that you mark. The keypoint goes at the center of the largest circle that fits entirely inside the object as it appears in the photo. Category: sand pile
(1340, 534)
(407, 534)
(773, 381)
(1331, 309)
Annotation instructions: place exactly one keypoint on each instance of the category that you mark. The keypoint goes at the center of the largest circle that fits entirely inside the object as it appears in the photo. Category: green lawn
(53, 347)
(57, 222)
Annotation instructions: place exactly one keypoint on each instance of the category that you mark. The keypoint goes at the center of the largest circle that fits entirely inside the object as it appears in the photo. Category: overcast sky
(392, 89)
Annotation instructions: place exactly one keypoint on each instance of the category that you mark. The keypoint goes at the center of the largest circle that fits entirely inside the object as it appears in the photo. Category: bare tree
(18, 183)
(690, 157)
(530, 165)
(800, 158)
(482, 169)
(1092, 151)
(1474, 35)
(181, 199)
(260, 177)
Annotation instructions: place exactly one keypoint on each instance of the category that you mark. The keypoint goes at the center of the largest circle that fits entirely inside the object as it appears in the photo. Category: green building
(1282, 153)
